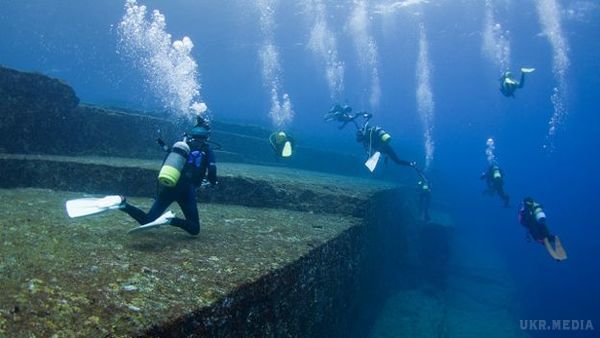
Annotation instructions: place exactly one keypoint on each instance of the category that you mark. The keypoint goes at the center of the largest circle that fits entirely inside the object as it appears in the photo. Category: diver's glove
(209, 186)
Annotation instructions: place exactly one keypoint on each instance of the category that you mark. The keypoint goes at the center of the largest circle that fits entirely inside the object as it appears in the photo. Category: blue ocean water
(370, 55)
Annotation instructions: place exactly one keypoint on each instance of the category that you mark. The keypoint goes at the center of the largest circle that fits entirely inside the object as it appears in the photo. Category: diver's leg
(386, 149)
(544, 232)
(187, 203)
(161, 204)
(499, 186)
(522, 81)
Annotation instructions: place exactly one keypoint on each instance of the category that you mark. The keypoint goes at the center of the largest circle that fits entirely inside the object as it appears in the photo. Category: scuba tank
(538, 212)
(496, 174)
(170, 172)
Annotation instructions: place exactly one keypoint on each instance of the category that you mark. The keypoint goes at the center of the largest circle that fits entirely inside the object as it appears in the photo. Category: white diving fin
(89, 206)
(527, 70)
(372, 161)
(287, 149)
(161, 220)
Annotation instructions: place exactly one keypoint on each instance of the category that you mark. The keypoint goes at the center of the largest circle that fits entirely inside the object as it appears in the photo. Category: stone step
(88, 277)
(239, 184)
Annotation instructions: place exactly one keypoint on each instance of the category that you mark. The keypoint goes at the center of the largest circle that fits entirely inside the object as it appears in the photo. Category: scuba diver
(375, 140)
(184, 169)
(424, 192)
(494, 178)
(532, 217)
(508, 84)
(342, 114)
(282, 144)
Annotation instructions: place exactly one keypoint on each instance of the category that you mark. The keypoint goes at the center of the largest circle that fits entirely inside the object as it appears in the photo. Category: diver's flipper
(287, 149)
(163, 219)
(558, 252)
(527, 70)
(372, 161)
(89, 206)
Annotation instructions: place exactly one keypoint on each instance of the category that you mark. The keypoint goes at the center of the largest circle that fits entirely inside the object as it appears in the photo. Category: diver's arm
(163, 145)
(271, 140)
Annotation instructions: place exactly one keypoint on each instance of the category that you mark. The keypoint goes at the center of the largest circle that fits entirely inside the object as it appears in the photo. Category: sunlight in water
(323, 44)
(366, 49)
(425, 102)
(496, 44)
(281, 114)
(170, 71)
(549, 14)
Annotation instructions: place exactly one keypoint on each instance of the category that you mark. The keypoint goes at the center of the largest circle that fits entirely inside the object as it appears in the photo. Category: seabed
(88, 277)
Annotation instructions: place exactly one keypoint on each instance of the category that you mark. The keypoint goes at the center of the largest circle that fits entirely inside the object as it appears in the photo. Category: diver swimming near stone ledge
(282, 144)
(375, 140)
(190, 163)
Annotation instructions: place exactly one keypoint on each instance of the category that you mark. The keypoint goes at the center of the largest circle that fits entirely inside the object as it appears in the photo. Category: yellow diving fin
(287, 149)
(558, 252)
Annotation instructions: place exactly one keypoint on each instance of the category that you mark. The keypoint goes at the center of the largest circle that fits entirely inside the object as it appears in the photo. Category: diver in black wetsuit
(376, 139)
(200, 165)
(282, 144)
(373, 139)
(532, 217)
(494, 178)
(508, 84)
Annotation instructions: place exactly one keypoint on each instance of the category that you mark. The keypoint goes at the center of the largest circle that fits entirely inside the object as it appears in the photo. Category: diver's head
(528, 201)
(197, 136)
(347, 109)
(280, 137)
(508, 74)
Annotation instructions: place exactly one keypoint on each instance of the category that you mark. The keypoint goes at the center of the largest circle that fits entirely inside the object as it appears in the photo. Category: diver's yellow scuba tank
(383, 135)
(170, 172)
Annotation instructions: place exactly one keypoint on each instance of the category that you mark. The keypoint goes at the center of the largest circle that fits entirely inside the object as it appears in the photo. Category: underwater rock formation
(310, 272)
(43, 117)
(281, 252)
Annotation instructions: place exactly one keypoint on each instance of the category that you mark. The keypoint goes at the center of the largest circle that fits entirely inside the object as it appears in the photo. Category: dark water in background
(77, 41)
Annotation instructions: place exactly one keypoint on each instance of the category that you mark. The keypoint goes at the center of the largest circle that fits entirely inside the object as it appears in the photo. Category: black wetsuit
(494, 178)
(371, 139)
(200, 164)
(278, 147)
(537, 227)
(509, 87)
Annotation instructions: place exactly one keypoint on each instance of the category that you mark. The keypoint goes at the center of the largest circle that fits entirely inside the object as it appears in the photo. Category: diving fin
(557, 252)
(372, 161)
(163, 219)
(527, 70)
(287, 149)
(89, 206)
